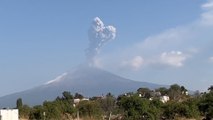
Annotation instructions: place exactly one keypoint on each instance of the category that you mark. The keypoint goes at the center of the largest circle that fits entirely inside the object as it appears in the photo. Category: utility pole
(78, 115)
(110, 113)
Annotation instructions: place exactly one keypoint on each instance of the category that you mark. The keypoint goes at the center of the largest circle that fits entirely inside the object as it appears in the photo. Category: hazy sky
(163, 42)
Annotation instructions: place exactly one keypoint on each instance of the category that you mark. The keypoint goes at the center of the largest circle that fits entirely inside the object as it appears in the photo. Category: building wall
(9, 114)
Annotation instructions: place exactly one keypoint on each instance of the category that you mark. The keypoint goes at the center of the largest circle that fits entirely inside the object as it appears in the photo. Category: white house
(164, 99)
(9, 114)
(77, 100)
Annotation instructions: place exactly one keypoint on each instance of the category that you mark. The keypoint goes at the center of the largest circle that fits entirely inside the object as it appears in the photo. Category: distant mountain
(88, 81)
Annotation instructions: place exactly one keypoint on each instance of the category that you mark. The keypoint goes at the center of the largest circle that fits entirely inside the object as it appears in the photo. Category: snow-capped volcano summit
(89, 81)
(57, 79)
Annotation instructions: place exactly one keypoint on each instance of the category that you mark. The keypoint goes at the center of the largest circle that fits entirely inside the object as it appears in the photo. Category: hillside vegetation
(144, 104)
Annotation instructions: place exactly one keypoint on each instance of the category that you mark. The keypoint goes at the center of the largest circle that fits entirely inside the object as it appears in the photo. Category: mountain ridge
(86, 80)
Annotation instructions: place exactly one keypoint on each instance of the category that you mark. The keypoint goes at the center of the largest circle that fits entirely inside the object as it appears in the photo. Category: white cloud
(169, 37)
(135, 63)
(208, 5)
(207, 16)
(191, 39)
(173, 58)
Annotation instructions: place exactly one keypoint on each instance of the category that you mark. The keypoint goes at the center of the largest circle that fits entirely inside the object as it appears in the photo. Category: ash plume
(99, 35)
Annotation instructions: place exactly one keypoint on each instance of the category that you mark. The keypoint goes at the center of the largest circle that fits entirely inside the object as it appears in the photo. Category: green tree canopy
(67, 95)
(145, 92)
(91, 109)
(210, 88)
(135, 108)
(162, 90)
(175, 92)
(19, 103)
(78, 96)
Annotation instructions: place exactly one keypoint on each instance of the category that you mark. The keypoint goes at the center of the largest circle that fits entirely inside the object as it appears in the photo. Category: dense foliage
(145, 104)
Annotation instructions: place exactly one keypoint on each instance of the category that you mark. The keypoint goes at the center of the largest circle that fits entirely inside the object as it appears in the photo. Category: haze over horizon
(163, 42)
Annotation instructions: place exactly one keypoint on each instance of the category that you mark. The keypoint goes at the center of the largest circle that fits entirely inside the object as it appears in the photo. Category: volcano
(88, 81)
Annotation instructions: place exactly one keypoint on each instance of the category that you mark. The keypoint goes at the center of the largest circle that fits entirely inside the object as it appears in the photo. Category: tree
(24, 110)
(197, 94)
(162, 90)
(78, 96)
(108, 104)
(183, 89)
(145, 92)
(135, 108)
(209, 115)
(192, 110)
(37, 113)
(67, 95)
(51, 110)
(169, 110)
(91, 109)
(210, 88)
(19, 103)
(206, 105)
(187, 109)
(175, 92)
(155, 108)
(65, 104)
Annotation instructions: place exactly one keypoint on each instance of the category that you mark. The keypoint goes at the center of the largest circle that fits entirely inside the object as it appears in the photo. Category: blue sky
(162, 42)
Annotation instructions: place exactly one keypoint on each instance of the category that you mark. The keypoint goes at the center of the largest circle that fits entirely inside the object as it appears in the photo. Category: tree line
(144, 104)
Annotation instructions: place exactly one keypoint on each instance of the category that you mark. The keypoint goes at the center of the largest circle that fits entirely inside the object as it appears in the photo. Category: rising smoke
(99, 35)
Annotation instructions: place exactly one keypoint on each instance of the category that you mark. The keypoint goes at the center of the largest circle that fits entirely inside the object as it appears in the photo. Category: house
(77, 100)
(164, 98)
(9, 114)
(185, 92)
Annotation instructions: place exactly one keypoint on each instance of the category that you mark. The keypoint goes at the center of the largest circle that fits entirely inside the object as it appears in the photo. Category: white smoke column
(99, 35)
